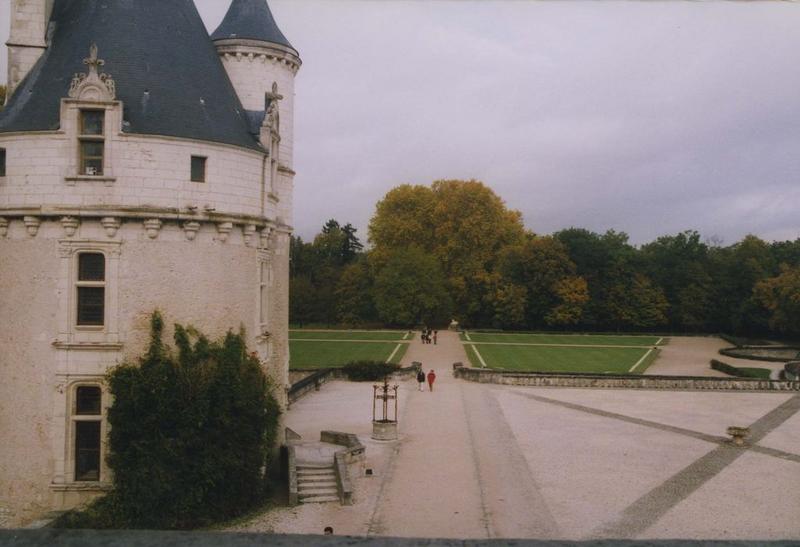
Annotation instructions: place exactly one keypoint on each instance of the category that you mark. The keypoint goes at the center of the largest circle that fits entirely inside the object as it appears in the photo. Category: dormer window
(92, 142)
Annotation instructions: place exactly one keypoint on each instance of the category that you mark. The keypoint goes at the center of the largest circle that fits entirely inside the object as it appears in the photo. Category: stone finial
(32, 225)
(224, 229)
(248, 232)
(70, 225)
(191, 228)
(111, 225)
(151, 227)
(3, 227)
(93, 86)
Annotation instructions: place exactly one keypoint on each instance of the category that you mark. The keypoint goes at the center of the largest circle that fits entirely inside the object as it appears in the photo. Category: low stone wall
(775, 354)
(312, 382)
(623, 381)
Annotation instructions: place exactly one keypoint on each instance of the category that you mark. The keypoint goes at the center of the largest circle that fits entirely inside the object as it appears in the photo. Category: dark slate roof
(251, 20)
(166, 69)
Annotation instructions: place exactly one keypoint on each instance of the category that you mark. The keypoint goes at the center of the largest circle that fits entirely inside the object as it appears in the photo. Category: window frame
(75, 419)
(204, 175)
(79, 284)
(85, 138)
(3, 159)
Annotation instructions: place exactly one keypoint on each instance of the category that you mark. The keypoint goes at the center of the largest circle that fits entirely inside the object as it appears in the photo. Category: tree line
(454, 250)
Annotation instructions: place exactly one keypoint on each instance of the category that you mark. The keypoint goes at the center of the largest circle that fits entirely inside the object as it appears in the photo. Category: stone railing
(623, 381)
(312, 382)
(353, 452)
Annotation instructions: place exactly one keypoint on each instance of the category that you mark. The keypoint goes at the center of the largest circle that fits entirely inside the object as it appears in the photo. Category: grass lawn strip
(565, 339)
(317, 354)
(563, 359)
(389, 360)
(640, 361)
(380, 336)
(559, 345)
(478, 355)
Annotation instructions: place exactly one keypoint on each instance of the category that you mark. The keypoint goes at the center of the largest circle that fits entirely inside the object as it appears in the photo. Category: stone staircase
(316, 483)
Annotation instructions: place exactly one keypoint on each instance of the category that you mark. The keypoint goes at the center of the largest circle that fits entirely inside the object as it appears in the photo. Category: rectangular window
(92, 142)
(87, 417)
(91, 291)
(198, 169)
(2, 162)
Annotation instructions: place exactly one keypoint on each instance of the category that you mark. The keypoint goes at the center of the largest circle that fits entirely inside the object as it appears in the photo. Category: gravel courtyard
(487, 461)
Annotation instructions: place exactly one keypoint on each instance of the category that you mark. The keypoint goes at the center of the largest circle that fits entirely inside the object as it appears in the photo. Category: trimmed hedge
(740, 372)
(368, 371)
(190, 435)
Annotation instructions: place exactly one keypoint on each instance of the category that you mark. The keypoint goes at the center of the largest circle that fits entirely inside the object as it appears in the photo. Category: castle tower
(131, 179)
(26, 41)
(262, 64)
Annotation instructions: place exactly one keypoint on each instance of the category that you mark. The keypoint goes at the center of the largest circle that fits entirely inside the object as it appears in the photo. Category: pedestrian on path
(435, 334)
(421, 379)
(431, 379)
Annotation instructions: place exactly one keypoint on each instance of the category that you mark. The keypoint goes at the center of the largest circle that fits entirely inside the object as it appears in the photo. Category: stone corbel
(3, 227)
(70, 225)
(32, 225)
(151, 227)
(224, 229)
(248, 232)
(191, 228)
(110, 225)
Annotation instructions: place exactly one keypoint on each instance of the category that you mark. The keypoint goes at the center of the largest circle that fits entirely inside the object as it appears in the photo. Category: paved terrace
(486, 461)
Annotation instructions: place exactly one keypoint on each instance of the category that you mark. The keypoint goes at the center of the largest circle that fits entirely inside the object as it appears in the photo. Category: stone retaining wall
(621, 381)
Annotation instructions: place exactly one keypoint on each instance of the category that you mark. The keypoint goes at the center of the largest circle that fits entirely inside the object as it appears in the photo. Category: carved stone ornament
(93, 86)
(248, 231)
(273, 119)
(3, 227)
(151, 227)
(111, 225)
(191, 228)
(70, 225)
(266, 233)
(32, 225)
(224, 229)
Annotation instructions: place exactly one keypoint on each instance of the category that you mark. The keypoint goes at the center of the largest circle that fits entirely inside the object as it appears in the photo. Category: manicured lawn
(321, 354)
(560, 359)
(563, 339)
(388, 335)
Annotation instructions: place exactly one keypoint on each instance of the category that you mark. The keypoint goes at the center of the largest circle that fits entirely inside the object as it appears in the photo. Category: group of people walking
(429, 335)
(421, 379)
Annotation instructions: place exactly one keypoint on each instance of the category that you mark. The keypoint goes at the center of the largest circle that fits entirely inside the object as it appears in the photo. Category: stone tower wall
(26, 42)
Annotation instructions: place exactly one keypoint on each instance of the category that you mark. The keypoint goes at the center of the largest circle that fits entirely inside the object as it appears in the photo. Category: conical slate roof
(251, 20)
(166, 70)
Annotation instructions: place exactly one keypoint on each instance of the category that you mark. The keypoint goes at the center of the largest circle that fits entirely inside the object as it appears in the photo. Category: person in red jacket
(431, 378)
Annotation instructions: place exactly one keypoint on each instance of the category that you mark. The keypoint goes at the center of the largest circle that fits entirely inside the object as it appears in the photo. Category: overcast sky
(645, 117)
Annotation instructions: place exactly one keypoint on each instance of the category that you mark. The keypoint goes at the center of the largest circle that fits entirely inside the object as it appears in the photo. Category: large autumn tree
(462, 224)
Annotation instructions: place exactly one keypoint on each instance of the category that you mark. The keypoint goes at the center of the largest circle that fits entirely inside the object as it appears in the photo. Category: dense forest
(454, 250)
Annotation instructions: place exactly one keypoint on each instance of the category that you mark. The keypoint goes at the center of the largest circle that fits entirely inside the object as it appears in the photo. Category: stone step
(315, 472)
(319, 499)
(316, 479)
(314, 492)
(305, 486)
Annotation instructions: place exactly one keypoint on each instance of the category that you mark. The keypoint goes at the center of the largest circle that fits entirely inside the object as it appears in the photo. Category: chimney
(26, 41)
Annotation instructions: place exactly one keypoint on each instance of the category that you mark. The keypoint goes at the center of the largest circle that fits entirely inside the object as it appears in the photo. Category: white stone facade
(26, 42)
(213, 254)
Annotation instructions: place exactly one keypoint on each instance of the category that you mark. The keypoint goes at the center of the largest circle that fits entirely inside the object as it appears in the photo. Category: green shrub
(190, 435)
(368, 371)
